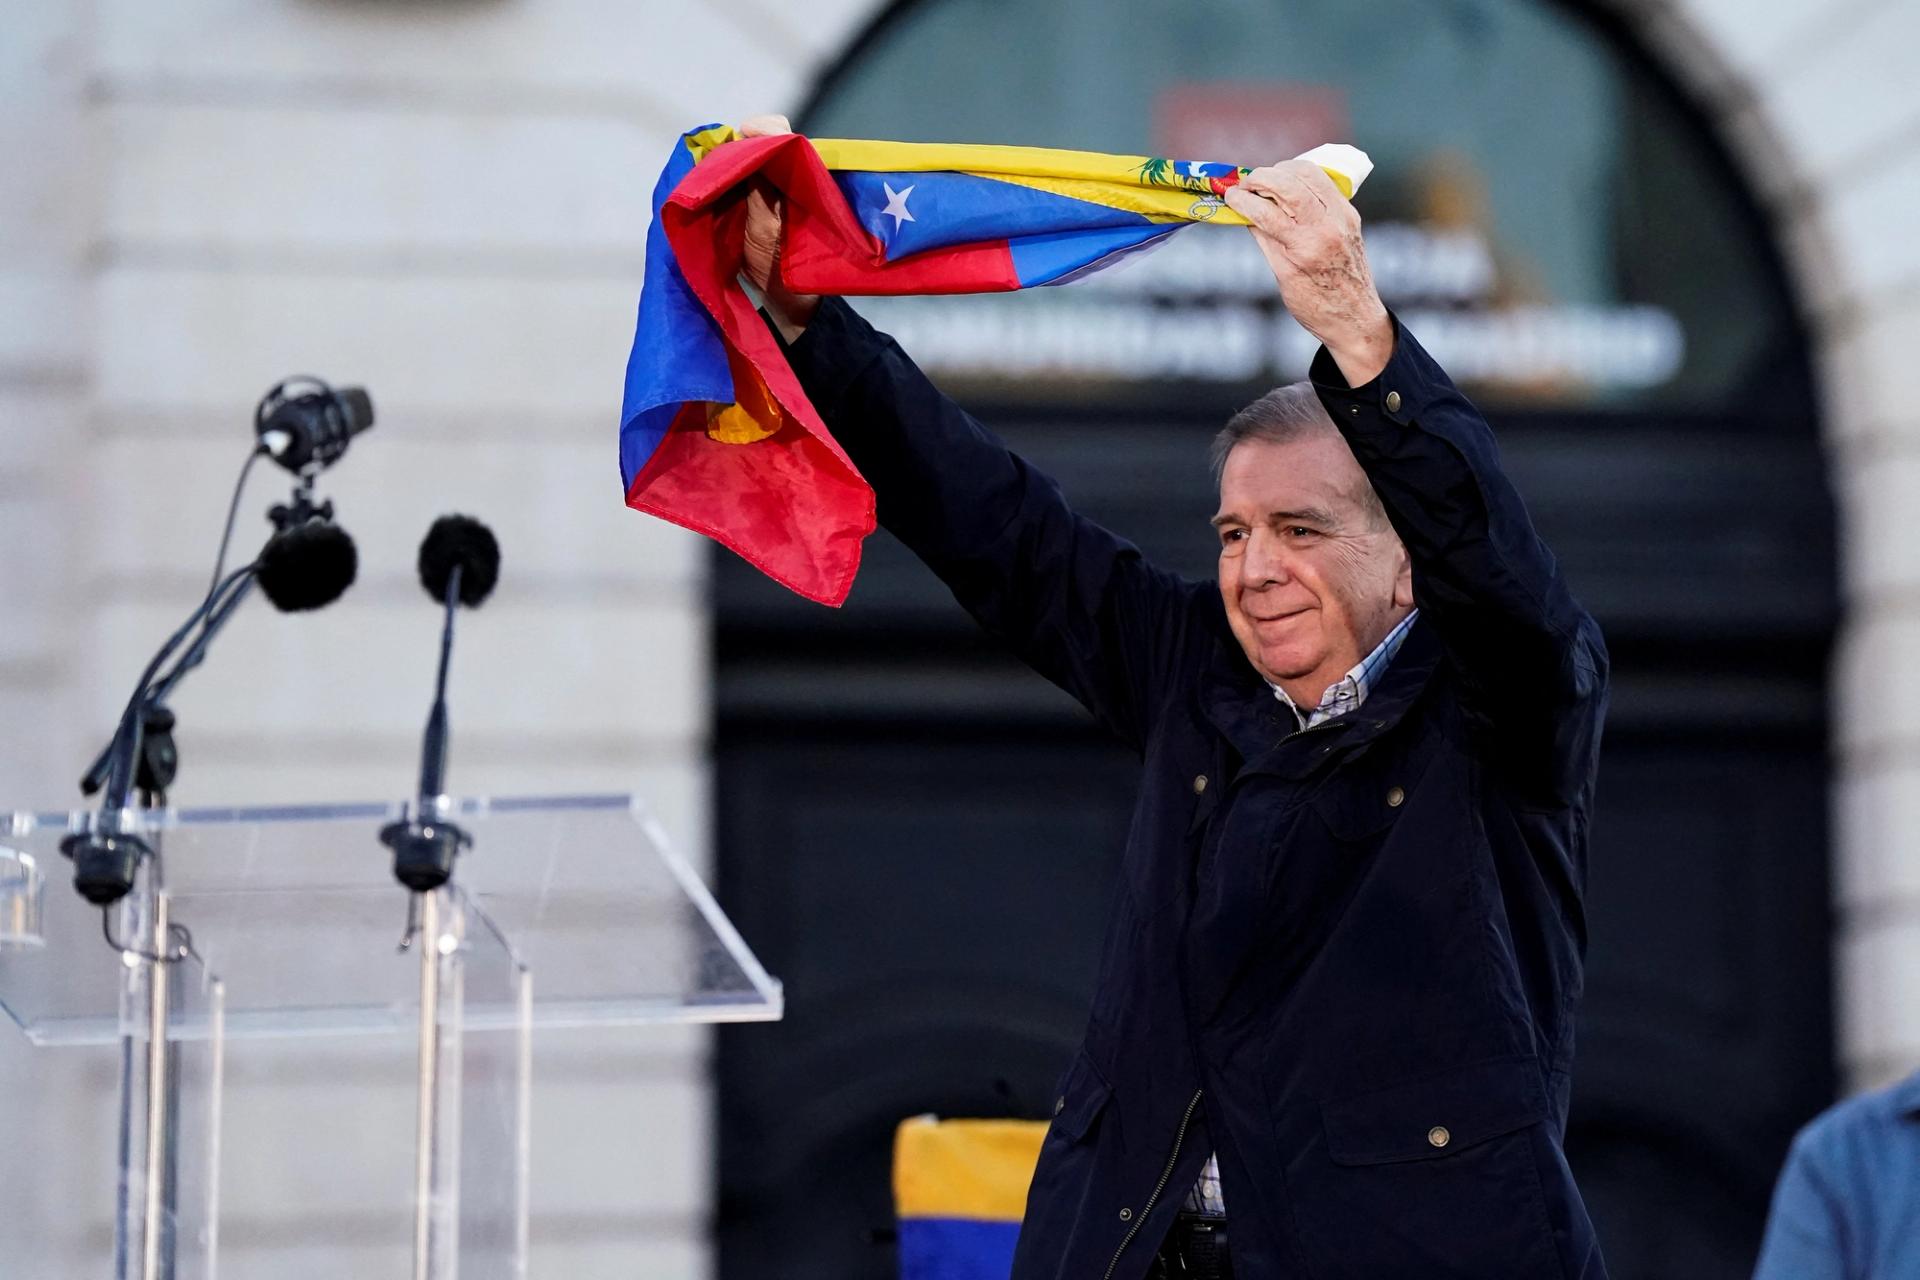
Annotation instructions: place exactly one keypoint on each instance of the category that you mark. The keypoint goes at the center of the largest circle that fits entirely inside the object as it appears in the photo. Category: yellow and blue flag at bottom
(959, 1193)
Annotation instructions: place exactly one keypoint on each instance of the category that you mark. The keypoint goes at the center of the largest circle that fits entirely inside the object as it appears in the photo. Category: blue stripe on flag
(938, 209)
(956, 1249)
(1059, 259)
(677, 354)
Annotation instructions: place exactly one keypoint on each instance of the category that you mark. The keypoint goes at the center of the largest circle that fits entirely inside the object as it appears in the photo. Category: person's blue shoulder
(1863, 1117)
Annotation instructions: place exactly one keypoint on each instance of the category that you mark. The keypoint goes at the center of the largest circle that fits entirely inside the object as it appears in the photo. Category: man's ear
(1403, 582)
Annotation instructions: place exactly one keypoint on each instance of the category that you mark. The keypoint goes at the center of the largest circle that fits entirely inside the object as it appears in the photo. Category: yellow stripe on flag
(977, 1169)
(1119, 182)
(1042, 162)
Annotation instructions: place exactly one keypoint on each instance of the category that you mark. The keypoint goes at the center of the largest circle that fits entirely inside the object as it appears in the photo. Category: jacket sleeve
(1531, 661)
(1075, 602)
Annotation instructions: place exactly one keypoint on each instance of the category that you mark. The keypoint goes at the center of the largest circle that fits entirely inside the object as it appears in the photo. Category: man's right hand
(766, 228)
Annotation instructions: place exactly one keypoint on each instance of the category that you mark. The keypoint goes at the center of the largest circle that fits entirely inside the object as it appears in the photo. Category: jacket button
(1126, 1215)
(1199, 783)
(1060, 1104)
(1393, 402)
(1395, 797)
(1438, 1135)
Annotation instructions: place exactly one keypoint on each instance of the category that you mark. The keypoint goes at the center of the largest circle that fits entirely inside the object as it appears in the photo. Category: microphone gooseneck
(105, 859)
(459, 564)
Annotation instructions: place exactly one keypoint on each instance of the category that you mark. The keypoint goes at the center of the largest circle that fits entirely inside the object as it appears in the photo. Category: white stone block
(1879, 986)
(1877, 859)
(1865, 370)
(43, 201)
(39, 427)
(42, 324)
(1869, 222)
(34, 526)
(673, 62)
(559, 1251)
(1829, 88)
(526, 671)
(621, 1141)
(1880, 542)
(1876, 683)
(498, 351)
(45, 747)
(1753, 36)
(358, 184)
(823, 28)
(60, 1136)
(626, 1135)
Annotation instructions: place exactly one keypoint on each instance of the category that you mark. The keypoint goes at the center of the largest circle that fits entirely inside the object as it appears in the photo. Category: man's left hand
(1310, 234)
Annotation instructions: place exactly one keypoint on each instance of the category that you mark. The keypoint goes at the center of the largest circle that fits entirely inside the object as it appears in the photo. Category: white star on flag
(896, 204)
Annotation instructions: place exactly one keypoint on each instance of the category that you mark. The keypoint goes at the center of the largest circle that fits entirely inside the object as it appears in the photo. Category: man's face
(1312, 574)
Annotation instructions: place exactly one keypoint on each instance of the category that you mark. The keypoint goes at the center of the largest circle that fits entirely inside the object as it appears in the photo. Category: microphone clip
(424, 846)
(300, 508)
(104, 863)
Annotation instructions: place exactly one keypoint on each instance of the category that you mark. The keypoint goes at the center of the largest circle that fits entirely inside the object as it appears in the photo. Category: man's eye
(1229, 536)
(1299, 531)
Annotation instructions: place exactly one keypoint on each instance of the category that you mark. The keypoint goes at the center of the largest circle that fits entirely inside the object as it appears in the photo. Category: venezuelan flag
(959, 1193)
(715, 432)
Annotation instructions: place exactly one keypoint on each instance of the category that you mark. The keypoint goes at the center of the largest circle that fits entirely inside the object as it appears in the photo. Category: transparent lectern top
(295, 911)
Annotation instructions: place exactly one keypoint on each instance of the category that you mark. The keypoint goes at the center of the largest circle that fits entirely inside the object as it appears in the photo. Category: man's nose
(1266, 560)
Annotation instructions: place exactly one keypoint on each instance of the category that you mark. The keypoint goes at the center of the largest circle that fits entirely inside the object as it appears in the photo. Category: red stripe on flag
(793, 504)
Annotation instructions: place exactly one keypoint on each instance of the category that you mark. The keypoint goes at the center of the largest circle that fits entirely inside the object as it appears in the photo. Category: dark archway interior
(918, 836)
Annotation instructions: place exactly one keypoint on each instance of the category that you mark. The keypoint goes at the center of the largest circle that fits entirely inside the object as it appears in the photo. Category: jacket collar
(1241, 705)
(1906, 1097)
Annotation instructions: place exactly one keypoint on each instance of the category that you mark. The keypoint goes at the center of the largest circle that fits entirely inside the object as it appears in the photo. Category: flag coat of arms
(716, 433)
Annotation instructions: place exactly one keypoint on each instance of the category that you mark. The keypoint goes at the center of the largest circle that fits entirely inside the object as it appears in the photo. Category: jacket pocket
(1354, 809)
(1082, 1096)
(1436, 1115)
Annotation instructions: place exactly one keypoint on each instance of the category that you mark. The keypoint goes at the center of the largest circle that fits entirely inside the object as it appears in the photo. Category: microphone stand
(424, 846)
(106, 863)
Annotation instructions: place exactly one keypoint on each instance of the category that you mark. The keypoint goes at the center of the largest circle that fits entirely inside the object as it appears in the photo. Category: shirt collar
(1349, 691)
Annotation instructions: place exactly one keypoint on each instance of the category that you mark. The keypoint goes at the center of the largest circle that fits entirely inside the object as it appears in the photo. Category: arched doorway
(905, 818)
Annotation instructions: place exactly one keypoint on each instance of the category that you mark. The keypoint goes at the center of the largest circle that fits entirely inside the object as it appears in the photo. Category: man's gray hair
(1281, 416)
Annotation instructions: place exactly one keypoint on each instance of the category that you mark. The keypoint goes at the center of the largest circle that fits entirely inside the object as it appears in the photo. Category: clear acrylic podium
(286, 922)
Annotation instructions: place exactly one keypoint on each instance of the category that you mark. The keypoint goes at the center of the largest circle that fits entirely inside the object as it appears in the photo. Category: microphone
(459, 565)
(462, 545)
(307, 566)
(310, 428)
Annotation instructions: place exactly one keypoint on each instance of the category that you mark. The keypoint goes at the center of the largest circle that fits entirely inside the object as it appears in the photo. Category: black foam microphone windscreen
(464, 542)
(308, 566)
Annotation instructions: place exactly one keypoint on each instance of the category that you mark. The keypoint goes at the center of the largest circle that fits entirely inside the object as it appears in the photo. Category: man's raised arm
(1531, 659)
(1074, 601)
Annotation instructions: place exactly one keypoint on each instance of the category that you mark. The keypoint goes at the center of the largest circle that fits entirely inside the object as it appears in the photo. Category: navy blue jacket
(1347, 957)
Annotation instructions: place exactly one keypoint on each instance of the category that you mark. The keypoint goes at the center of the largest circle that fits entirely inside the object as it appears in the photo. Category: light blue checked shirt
(1343, 695)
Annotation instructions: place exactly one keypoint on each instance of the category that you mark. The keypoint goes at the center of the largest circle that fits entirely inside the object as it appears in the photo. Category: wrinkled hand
(1310, 235)
(765, 231)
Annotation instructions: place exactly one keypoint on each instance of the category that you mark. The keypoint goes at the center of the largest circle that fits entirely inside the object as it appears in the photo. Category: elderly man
(1333, 1026)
